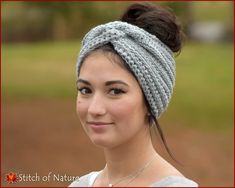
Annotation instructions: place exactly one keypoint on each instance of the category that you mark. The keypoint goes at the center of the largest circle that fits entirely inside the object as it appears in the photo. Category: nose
(96, 107)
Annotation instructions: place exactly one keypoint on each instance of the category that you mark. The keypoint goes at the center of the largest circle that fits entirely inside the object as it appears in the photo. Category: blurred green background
(40, 44)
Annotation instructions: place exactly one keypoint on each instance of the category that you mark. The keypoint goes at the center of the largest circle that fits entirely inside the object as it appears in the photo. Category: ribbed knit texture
(150, 60)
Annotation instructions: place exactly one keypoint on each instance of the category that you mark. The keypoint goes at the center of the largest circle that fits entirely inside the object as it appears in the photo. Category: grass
(203, 95)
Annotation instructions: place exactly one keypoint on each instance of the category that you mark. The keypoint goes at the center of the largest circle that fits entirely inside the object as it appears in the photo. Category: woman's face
(110, 103)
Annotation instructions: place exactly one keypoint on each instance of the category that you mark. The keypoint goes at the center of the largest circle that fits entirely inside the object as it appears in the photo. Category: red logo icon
(11, 177)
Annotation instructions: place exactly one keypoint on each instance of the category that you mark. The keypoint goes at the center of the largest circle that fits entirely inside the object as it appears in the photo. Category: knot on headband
(151, 61)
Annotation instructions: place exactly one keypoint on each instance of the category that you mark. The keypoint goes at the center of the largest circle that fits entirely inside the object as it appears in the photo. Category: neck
(129, 157)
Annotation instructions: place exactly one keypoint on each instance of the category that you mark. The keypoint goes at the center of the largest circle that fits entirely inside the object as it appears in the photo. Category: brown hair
(156, 20)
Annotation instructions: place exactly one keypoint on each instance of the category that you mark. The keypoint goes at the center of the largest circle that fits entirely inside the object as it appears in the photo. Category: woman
(126, 74)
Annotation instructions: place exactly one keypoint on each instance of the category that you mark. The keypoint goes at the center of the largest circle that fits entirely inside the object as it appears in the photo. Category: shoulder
(175, 181)
(86, 180)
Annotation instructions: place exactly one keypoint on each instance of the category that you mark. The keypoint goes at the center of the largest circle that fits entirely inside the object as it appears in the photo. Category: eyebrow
(111, 82)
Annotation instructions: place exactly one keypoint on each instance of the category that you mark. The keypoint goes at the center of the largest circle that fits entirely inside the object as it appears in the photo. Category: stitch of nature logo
(11, 177)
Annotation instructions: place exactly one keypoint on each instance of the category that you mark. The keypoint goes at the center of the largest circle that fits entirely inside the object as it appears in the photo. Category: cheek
(122, 108)
(81, 109)
(128, 109)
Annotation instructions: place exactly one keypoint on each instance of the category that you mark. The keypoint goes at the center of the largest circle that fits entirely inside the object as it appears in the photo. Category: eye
(116, 91)
(84, 90)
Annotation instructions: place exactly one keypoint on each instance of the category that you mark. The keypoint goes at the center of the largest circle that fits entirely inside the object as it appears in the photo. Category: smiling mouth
(98, 123)
(99, 127)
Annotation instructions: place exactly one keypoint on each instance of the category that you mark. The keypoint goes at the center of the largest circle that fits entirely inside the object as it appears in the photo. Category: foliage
(34, 21)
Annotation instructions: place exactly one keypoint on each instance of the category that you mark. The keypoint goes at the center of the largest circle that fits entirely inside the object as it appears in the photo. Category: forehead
(101, 66)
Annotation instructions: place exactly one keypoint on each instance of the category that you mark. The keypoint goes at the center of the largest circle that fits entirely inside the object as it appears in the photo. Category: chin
(103, 142)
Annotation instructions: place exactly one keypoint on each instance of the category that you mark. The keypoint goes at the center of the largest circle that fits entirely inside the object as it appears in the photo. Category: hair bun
(157, 21)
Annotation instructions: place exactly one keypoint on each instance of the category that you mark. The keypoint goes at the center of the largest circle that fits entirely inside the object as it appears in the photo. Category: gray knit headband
(150, 60)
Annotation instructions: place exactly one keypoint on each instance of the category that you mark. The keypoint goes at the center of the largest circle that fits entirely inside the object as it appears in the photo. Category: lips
(98, 123)
(99, 127)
